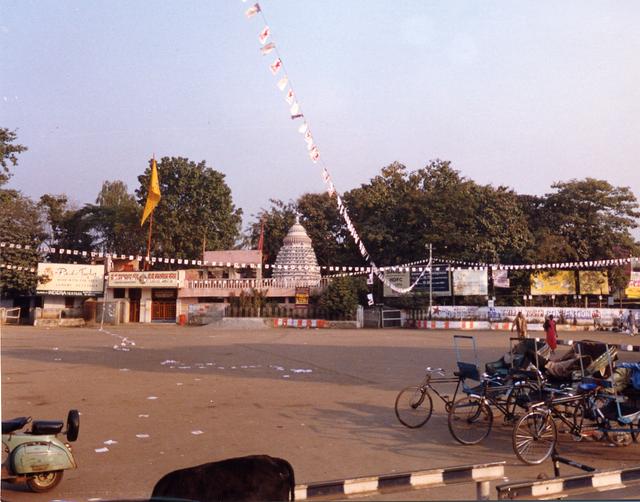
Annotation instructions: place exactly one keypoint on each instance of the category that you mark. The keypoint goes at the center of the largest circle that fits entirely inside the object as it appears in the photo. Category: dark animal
(252, 478)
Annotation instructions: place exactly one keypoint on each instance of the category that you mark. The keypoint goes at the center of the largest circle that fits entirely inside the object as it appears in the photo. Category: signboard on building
(398, 279)
(593, 282)
(561, 282)
(302, 297)
(633, 288)
(441, 282)
(70, 279)
(148, 279)
(467, 282)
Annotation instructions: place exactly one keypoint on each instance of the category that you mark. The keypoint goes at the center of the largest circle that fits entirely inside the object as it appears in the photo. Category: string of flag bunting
(439, 263)
(284, 84)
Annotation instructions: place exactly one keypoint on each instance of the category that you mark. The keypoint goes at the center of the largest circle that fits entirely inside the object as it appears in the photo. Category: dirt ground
(182, 396)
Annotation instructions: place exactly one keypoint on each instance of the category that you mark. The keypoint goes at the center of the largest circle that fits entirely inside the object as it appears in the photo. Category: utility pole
(430, 279)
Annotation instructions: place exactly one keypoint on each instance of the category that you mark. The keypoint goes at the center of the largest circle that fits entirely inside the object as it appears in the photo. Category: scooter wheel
(44, 481)
(73, 425)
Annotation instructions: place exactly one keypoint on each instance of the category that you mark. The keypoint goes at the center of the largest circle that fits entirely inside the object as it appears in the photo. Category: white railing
(10, 315)
(259, 284)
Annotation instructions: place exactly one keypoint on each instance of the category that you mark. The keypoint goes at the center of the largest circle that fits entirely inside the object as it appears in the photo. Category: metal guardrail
(391, 318)
(480, 474)
(599, 481)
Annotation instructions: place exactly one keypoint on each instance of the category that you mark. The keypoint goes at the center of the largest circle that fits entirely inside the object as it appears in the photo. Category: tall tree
(8, 153)
(196, 211)
(593, 216)
(331, 241)
(67, 227)
(21, 233)
(276, 222)
(115, 219)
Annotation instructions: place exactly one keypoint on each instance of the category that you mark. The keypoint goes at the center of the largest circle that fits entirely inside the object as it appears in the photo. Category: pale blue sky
(521, 93)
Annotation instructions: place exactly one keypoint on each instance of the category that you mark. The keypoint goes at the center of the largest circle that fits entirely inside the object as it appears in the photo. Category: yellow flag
(153, 197)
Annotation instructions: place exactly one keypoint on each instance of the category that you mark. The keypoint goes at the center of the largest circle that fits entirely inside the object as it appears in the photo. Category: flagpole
(149, 241)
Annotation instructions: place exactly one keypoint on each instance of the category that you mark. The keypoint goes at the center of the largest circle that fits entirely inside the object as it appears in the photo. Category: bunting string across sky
(278, 69)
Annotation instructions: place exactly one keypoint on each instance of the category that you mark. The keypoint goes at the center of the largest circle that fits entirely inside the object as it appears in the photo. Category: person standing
(551, 334)
(520, 324)
(631, 324)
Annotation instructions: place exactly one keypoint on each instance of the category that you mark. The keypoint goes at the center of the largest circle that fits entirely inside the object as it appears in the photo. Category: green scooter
(37, 456)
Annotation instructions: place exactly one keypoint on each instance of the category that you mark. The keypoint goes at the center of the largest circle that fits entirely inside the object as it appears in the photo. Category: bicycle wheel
(413, 407)
(518, 400)
(470, 420)
(534, 437)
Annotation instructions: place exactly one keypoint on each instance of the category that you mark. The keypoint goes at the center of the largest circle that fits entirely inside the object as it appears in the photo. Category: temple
(296, 259)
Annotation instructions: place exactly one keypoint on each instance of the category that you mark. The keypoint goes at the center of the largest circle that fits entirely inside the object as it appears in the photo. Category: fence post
(483, 490)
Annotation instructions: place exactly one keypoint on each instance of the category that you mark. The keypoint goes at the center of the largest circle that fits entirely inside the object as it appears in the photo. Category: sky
(521, 94)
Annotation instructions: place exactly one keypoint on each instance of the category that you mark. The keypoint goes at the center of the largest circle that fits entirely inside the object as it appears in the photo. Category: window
(119, 292)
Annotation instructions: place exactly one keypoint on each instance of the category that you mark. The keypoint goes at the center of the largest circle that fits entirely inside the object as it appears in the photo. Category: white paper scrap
(143, 415)
(101, 450)
(142, 436)
(197, 433)
(151, 398)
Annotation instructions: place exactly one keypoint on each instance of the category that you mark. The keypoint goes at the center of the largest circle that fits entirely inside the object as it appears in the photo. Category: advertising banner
(470, 282)
(633, 288)
(441, 282)
(149, 279)
(66, 279)
(561, 282)
(398, 279)
(501, 278)
(593, 282)
(534, 315)
(302, 297)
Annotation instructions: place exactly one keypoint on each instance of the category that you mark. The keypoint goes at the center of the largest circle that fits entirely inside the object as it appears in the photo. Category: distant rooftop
(248, 256)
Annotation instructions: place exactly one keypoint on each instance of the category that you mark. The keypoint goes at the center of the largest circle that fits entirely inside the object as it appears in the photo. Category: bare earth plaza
(323, 399)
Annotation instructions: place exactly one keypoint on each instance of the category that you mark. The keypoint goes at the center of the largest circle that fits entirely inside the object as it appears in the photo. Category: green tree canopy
(276, 221)
(20, 225)
(115, 219)
(196, 210)
(8, 153)
(66, 227)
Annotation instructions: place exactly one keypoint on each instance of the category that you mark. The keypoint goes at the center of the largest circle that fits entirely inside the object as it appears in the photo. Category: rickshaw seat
(467, 370)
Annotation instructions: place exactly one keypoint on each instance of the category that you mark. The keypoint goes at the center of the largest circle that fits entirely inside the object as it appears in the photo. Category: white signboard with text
(148, 279)
(70, 279)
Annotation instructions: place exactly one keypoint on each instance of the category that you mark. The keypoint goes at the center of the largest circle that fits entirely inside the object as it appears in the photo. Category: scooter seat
(14, 424)
(42, 427)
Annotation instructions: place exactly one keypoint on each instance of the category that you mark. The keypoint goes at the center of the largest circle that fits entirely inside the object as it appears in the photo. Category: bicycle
(414, 405)
(470, 419)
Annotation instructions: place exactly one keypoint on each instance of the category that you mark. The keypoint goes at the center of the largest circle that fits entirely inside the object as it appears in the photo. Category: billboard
(441, 282)
(561, 282)
(593, 282)
(70, 279)
(398, 279)
(501, 279)
(633, 288)
(469, 282)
